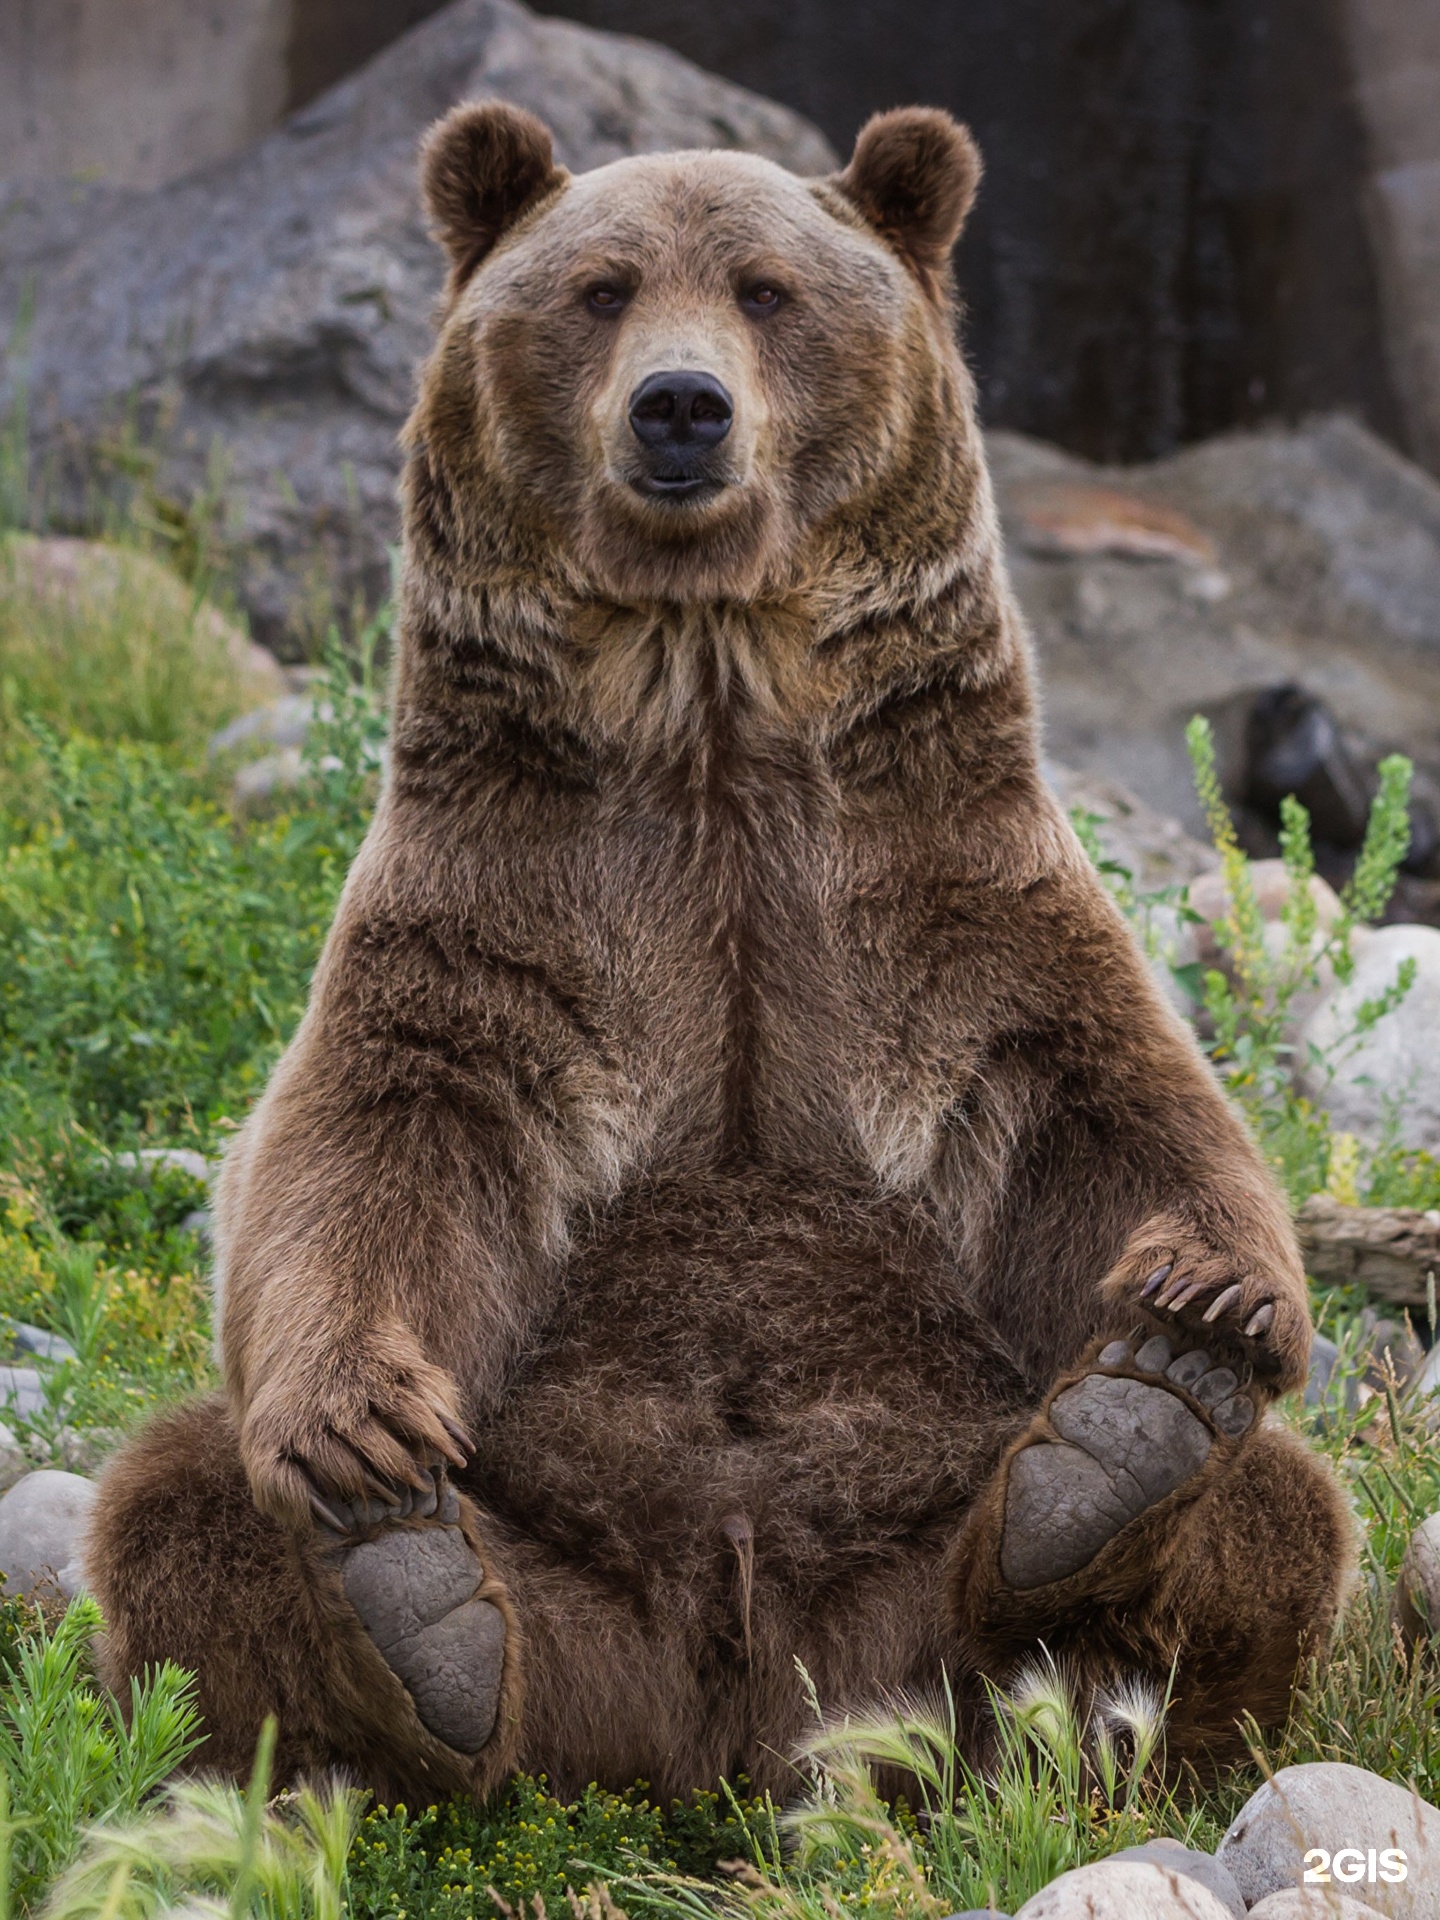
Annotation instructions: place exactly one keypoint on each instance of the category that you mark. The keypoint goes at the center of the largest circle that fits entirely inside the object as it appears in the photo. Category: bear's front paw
(362, 1425)
(1257, 1320)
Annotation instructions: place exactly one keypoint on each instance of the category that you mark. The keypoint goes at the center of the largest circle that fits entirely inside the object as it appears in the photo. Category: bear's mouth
(678, 486)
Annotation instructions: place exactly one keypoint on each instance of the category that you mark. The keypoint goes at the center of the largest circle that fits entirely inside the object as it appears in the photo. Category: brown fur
(727, 1086)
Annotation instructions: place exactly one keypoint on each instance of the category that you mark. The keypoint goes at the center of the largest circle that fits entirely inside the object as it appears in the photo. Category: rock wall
(1199, 214)
(1395, 52)
(1172, 237)
(137, 92)
(1306, 556)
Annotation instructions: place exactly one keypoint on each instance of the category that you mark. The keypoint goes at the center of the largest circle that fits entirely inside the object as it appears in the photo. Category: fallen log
(1390, 1251)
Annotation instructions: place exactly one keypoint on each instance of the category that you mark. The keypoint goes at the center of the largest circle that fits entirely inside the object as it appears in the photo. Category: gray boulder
(1154, 849)
(45, 1346)
(273, 307)
(42, 1526)
(1416, 1605)
(1324, 1358)
(1307, 554)
(20, 1391)
(15, 1463)
(1342, 1809)
(1119, 1889)
(1314, 1903)
(178, 1159)
(1395, 1067)
(1203, 1867)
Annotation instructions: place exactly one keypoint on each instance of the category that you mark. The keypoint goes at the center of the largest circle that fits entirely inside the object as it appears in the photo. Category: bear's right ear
(480, 167)
(913, 176)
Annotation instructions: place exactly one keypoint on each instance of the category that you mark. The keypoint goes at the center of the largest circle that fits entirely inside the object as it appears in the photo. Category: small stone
(84, 1449)
(280, 723)
(15, 1463)
(1120, 1889)
(1065, 518)
(42, 1529)
(1390, 1347)
(21, 1392)
(1416, 1606)
(1204, 1867)
(1324, 1358)
(1209, 896)
(1333, 1806)
(1314, 1903)
(181, 1159)
(45, 1346)
(199, 1222)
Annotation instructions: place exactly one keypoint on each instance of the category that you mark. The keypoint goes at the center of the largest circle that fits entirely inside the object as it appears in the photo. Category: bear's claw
(1124, 1443)
(415, 1590)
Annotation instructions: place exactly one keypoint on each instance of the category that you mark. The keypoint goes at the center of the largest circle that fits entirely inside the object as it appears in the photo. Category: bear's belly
(805, 1364)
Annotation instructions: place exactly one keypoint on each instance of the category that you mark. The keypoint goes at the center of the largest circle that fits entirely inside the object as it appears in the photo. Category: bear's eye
(761, 298)
(605, 299)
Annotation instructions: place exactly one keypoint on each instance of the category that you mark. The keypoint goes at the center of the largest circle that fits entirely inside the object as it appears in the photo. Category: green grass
(103, 640)
(155, 954)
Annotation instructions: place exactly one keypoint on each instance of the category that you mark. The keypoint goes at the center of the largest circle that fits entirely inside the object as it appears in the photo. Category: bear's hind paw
(1116, 1443)
(416, 1592)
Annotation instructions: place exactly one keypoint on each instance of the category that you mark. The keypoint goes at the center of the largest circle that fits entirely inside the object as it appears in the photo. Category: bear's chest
(790, 998)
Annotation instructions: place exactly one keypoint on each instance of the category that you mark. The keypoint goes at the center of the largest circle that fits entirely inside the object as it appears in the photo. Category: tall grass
(208, 1849)
(106, 641)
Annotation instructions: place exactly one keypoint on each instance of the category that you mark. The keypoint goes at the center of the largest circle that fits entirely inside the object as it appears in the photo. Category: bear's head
(673, 378)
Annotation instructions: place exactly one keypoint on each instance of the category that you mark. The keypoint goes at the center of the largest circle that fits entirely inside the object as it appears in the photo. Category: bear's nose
(680, 409)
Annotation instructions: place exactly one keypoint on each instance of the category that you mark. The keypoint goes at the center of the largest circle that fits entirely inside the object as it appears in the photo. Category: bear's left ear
(480, 167)
(913, 176)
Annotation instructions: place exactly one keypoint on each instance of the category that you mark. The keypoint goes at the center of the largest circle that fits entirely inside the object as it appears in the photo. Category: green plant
(154, 956)
(1067, 1782)
(209, 1849)
(455, 1861)
(1250, 1006)
(69, 1757)
(141, 1331)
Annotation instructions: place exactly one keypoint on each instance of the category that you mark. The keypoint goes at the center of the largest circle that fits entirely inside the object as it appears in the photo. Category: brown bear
(736, 1198)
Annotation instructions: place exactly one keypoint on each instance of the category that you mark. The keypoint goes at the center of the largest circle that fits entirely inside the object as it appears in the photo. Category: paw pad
(414, 1589)
(1123, 1445)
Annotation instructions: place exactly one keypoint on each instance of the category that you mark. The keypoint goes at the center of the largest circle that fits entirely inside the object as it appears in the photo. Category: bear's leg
(365, 1648)
(1146, 1519)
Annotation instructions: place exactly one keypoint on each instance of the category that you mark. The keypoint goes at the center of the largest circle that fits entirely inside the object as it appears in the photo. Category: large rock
(139, 94)
(1152, 848)
(1342, 1809)
(1124, 1890)
(1395, 51)
(42, 1526)
(1307, 555)
(1394, 1069)
(1314, 1903)
(274, 307)
(1174, 1857)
